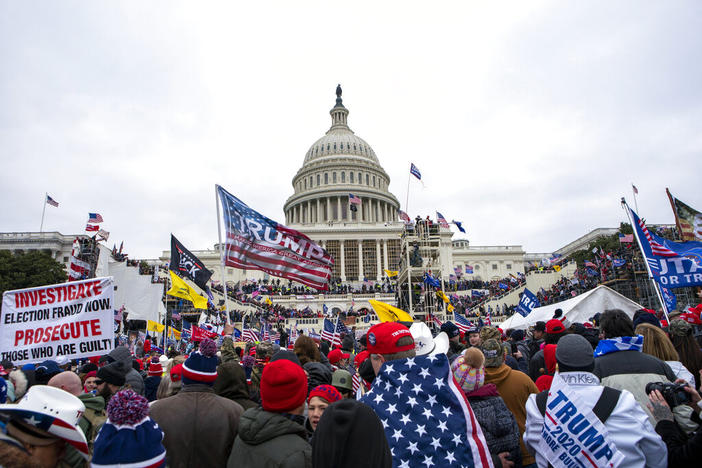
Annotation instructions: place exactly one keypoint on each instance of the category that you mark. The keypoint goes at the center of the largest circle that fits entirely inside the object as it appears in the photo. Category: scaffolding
(420, 254)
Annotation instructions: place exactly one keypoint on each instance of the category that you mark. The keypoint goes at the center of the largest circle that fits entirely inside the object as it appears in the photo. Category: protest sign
(572, 436)
(72, 320)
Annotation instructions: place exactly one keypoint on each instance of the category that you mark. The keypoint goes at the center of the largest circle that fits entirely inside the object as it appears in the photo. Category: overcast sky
(528, 120)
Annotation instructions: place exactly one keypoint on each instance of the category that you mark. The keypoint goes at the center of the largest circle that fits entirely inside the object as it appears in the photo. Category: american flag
(292, 336)
(436, 320)
(355, 382)
(51, 201)
(92, 227)
(656, 247)
(255, 242)
(442, 220)
(488, 318)
(427, 419)
(94, 218)
(332, 333)
(249, 334)
(404, 217)
(626, 238)
(265, 334)
(415, 172)
(354, 200)
(462, 323)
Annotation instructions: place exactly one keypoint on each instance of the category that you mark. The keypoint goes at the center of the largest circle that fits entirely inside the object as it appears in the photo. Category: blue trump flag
(670, 300)
(431, 281)
(671, 264)
(527, 303)
(425, 415)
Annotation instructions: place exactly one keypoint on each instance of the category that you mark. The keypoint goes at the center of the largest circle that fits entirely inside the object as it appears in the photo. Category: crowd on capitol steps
(616, 391)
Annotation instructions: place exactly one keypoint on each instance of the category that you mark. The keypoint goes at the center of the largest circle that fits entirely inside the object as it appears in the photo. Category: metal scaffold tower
(421, 254)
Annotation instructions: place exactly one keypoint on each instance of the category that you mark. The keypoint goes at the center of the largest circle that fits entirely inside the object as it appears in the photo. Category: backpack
(602, 409)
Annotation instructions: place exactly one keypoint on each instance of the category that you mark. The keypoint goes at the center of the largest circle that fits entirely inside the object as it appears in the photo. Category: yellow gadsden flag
(391, 273)
(181, 289)
(388, 313)
(155, 326)
(557, 267)
(173, 333)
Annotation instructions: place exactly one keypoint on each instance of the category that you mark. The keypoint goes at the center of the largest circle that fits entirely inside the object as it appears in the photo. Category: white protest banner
(573, 436)
(73, 320)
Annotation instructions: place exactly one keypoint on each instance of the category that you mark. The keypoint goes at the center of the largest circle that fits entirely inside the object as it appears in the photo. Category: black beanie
(349, 434)
(112, 374)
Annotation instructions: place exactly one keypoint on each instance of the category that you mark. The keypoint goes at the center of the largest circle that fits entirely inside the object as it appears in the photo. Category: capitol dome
(336, 166)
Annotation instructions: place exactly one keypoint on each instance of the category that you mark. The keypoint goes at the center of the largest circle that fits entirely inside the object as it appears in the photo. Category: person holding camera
(682, 450)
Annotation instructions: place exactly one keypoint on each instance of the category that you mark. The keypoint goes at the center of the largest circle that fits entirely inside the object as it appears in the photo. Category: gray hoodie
(122, 355)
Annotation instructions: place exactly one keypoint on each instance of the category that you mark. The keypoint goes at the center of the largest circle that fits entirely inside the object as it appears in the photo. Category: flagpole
(675, 213)
(221, 256)
(43, 211)
(636, 203)
(656, 286)
(409, 176)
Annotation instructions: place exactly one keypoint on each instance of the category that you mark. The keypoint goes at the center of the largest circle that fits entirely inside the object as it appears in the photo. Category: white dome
(340, 142)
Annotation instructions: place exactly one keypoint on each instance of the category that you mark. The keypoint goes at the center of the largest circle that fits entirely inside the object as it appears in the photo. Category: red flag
(92, 227)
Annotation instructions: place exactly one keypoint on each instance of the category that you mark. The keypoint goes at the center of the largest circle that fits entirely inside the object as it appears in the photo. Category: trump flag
(255, 242)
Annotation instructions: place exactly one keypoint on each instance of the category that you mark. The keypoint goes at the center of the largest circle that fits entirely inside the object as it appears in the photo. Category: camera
(673, 393)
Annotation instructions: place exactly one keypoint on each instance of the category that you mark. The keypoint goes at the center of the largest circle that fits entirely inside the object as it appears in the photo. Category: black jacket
(682, 452)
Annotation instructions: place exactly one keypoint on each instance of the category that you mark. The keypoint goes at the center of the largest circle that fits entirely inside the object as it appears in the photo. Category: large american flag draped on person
(426, 417)
(255, 242)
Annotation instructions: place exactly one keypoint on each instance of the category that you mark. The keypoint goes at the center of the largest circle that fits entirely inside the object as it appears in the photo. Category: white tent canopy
(577, 309)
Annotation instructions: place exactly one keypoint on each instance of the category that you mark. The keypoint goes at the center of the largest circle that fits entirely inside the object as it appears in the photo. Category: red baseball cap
(554, 327)
(360, 357)
(335, 355)
(383, 338)
(691, 318)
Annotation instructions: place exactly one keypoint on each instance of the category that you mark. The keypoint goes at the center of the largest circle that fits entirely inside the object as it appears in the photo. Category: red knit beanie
(325, 392)
(283, 386)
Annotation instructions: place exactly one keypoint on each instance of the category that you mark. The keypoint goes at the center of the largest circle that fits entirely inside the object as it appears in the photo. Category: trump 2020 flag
(426, 417)
(255, 242)
(527, 302)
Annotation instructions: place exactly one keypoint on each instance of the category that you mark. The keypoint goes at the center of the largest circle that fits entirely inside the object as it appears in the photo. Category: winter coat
(151, 384)
(317, 374)
(454, 350)
(231, 384)
(514, 387)
(632, 370)
(199, 427)
(90, 423)
(498, 424)
(536, 363)
(132, 378)
(683, 452)
(681, 372)
(270, 440)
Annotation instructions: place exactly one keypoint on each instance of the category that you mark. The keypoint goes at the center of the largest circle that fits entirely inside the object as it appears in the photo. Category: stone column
(317, 220)
(360, 260)
(343, 263)
(309, 211)
(385, 254)
(379, 270)
(338, 208)
(327, 202)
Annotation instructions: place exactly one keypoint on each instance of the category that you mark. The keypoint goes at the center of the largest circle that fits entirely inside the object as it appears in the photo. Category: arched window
(367, 180)
(343, 177)
(360, 179)
(326, 178)
(333, 177)
(318, 179)
(373, 181)
(351, 177)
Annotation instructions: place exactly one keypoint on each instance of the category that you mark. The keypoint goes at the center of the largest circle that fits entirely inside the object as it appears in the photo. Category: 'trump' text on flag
(255, 242)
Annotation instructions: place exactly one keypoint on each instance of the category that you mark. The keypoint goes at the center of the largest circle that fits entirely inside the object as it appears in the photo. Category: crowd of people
(621, 389)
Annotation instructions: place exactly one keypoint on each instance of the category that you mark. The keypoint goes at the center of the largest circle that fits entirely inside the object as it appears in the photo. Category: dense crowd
(623, 390)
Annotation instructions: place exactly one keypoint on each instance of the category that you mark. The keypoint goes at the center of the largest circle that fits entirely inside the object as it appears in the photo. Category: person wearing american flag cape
(427, 419)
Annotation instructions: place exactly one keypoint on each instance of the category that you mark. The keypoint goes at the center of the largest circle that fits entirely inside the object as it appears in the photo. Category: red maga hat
(383, 338)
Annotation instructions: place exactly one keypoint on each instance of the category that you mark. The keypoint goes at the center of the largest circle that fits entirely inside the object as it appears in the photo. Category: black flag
(187, 265)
